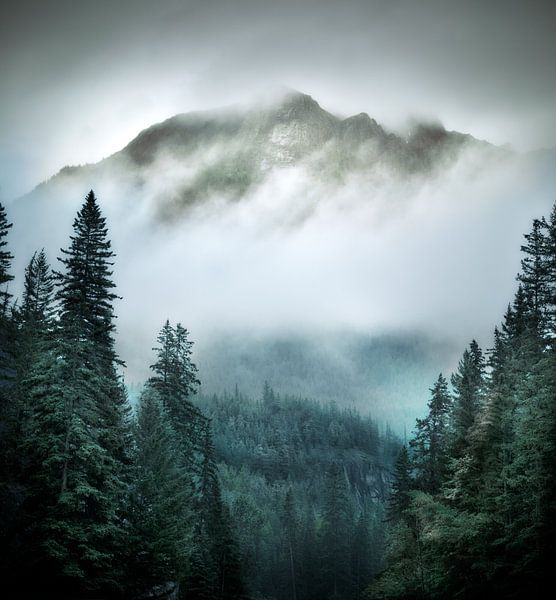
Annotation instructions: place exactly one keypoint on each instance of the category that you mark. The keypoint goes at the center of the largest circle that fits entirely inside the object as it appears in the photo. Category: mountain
(228, 153)
(327, 255)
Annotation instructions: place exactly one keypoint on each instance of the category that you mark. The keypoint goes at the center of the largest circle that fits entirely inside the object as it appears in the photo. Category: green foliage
(402, 484)
(85, 289)
(175, 379)
(430, 443)
(5, 261)
(277, 459)
(488, 530)
(160, 515)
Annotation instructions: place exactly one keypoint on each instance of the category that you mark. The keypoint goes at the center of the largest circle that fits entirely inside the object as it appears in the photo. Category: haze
(80, 79)
(428, 264)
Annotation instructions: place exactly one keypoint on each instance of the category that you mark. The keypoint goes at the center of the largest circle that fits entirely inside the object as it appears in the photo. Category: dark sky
(79, 79)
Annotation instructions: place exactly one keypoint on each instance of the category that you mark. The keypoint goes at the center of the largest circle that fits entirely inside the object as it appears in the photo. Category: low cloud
(304, 256)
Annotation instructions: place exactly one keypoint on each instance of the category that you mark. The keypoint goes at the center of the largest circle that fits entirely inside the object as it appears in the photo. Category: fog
(340, 270)
(337, 274)
(81, 79)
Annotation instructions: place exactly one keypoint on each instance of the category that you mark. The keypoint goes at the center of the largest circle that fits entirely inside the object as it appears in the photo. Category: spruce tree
(336, 536)
(85, 288)
(5, 261)
(161, 500)
(402, 484)
(38, 293)
(220, 566)
(429, 444)
(10, 491)
(534, 273)
(175, 379)
(289, 527)
(468, 384)
(78, 431)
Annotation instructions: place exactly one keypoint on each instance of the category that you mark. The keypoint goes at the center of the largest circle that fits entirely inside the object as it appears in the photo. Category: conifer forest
(277, 299)
(232, 497)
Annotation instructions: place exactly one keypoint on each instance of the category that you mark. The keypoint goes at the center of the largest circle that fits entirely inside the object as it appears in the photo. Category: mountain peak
(295, 105)
(299, 99)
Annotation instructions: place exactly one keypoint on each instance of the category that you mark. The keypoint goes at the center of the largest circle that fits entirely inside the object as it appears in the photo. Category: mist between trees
(266, 497)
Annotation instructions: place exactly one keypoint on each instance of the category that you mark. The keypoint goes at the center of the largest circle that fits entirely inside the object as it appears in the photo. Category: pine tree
(38, 292)
(549, 260)
(429, 445)
(336, 536)
(402, 484)
(219, 564)
(289, 526)
(161, 500)
(35, 318)
(85, 289)
(535, 274)
(72, 496)
(5, 261)
(10, 490)
(468, 384)
(175, 379)
(78, 432)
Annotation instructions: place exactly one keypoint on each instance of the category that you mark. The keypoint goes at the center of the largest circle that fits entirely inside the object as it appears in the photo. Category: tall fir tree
(85, 289)
(468, 384)
(336, 536)
(402, 484)
(5, 261)
(290, 526)
(534, 275)
(429, 444)
(175, 379)
(10, 492)
(216, 566)
(78, 433)
(160, 514)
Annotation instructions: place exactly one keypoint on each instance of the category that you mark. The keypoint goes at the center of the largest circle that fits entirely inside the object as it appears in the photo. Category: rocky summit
(227, 153)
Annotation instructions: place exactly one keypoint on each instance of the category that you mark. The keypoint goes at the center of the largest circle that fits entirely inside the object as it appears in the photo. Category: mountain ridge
(229, 151)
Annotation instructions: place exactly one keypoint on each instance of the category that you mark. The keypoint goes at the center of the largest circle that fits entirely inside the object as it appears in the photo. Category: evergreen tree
(219, 565)
(429, 444)
(78, 432)
(5, 261)
(161, 500)
(468, 384)
(549, 254)
(535, 272)
(85, 290)
(38, 293)
(10, 490)
(35, 318)
(72, 501)
(402, 484)
(336, 537)
(290, 526)
(175, 379)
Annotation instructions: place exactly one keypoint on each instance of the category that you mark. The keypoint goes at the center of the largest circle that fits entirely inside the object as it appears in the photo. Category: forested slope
(306, 485)
(473, 506)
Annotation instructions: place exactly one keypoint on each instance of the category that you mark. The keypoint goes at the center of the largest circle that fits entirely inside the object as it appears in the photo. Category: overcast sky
(80, 79)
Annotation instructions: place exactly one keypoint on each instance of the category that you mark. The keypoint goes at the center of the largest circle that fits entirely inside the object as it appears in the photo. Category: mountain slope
(226, 154)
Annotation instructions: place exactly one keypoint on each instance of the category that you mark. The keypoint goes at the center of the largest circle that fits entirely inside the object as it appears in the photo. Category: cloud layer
(80, 79)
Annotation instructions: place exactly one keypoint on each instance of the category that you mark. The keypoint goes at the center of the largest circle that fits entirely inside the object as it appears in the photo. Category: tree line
(97, 498)
(306, 484)
(473, 503)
